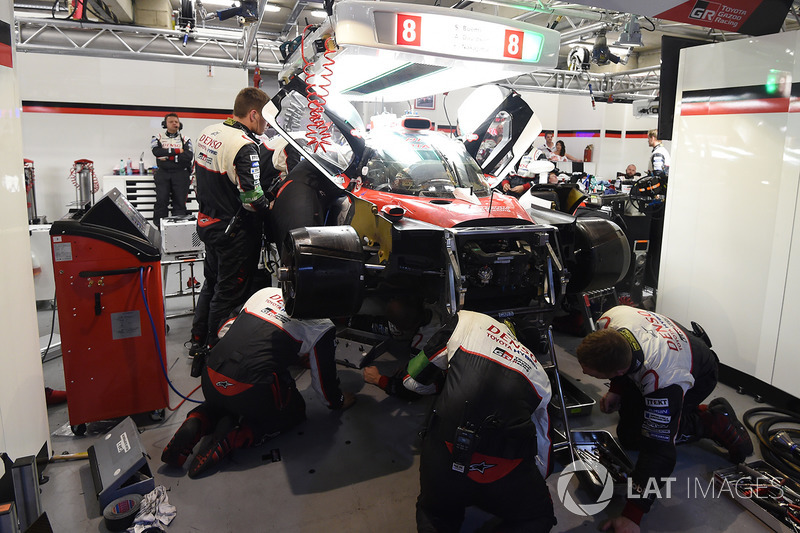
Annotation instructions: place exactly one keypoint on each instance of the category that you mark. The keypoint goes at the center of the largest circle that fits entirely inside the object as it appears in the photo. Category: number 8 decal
(409, 28)
(513, 44)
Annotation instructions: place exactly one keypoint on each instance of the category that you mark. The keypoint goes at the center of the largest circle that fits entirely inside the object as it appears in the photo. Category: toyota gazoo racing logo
(584, 509)
(704, 10)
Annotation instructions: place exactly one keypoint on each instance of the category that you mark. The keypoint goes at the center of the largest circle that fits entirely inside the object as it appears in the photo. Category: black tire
(324, 272)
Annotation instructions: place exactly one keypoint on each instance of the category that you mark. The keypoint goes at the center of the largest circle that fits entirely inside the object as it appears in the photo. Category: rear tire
(324, 272)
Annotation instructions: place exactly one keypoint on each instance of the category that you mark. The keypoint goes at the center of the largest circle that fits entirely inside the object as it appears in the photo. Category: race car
(419, 216)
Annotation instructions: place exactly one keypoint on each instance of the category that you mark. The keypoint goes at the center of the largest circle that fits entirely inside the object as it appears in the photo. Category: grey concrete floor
(355, 471)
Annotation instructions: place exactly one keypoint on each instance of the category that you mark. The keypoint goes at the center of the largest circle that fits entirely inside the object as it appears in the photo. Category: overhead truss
(201, 46)
(229, 49)
(622, 86)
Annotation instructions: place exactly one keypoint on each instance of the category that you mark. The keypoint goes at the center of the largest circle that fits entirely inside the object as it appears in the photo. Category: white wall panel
(576, 113)
(55, 140)
(787, 364)
(23, 414)
(732, 200)
(119, 81)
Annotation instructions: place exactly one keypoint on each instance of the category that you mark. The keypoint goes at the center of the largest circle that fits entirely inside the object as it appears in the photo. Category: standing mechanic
(487, 441)
(232, 207)
(174, 159)
(659, 157)
(250, 395)
(659, 372)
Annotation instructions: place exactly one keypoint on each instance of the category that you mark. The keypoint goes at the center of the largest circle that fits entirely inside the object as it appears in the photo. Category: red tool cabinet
(107, 264)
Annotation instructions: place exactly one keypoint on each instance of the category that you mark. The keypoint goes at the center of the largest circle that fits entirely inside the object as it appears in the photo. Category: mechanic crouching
(250, 396)
(486, 443)
(660, 373)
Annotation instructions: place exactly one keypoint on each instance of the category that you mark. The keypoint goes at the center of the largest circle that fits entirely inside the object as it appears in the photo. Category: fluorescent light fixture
(272, 8)
(398, 52)
(318, 13)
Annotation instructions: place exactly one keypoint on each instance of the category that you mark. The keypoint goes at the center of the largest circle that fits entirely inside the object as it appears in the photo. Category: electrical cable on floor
(52, 329)
(158, 346)
(778, 445)
(184, 400)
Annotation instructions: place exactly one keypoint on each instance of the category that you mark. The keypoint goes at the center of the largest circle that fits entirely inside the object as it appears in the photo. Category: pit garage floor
(349, 472)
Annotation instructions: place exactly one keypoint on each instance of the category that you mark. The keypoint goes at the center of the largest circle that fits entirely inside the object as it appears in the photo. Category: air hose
(778, 444)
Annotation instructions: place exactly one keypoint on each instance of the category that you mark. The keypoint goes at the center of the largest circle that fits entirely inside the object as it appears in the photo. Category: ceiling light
(632, 36)
(320, 14)
(375, 62)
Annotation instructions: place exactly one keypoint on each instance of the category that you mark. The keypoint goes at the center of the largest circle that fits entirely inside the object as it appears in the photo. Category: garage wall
(731, 232)
(23, 414)
(105, 110)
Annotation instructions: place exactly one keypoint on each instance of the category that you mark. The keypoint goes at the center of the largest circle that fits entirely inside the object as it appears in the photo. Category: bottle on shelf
(121, 170)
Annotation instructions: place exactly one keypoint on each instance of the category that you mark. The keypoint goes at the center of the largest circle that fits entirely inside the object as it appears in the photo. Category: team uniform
(514, 180)
(547, 149)
(496, 389)
(672, 372)
(247, 371)
(249, 393)
(229, 194)
(659, 161)
(172, 177)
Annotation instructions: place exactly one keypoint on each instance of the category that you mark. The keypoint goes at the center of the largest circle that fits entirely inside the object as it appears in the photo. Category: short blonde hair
(653, 134)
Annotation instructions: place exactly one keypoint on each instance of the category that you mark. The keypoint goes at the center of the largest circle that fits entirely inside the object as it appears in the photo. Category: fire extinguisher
(587, 153)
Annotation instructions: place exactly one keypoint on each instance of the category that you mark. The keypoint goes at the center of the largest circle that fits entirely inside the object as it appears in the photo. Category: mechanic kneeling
(659, 372)
(487, 442)
(250, 395)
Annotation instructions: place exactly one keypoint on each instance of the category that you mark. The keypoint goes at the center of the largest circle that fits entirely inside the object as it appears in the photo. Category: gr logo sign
(704, 11)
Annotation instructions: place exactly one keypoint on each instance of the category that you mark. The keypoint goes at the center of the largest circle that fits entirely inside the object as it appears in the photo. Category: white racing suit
(672, 372)
(659, 161)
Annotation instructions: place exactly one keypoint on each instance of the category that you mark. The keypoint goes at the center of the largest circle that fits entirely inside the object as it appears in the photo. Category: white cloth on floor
(155, 511)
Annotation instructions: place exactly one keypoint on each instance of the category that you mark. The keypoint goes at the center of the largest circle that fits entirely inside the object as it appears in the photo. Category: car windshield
(421, 163)
(295, 117)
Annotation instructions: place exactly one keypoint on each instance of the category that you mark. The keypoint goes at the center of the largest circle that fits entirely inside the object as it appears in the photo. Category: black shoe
(180, 447)
(727, 431)
(196, 347)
